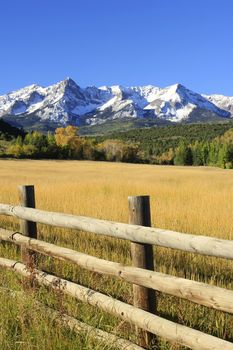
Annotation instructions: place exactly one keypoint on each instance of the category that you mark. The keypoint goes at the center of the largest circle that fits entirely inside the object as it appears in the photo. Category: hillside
(157, 140)
(8, 132)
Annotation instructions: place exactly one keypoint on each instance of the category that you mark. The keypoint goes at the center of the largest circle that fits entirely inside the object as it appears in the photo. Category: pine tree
(183, 154)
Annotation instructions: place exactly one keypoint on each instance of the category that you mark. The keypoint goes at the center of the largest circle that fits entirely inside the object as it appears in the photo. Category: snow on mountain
(67, 103)
(176, 102)
(18, 102)
(223, 102)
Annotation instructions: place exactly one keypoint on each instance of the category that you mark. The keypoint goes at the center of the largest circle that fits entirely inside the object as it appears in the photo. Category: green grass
(29, 333)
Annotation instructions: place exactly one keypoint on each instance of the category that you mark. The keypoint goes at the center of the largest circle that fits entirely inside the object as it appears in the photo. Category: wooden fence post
(27, 228)
(142, 256)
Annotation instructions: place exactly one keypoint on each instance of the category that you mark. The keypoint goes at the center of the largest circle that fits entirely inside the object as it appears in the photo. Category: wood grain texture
(169, 330)
(27, 227)
(197, 292)
(142, 257)
(165, 238)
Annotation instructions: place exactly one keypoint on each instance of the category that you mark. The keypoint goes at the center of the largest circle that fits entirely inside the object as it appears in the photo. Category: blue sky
(127, 42)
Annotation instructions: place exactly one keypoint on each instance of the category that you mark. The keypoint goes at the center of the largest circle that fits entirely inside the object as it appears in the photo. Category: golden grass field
(195, 200)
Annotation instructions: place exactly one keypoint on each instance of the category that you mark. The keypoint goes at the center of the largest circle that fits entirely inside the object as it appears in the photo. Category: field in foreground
(193, 200)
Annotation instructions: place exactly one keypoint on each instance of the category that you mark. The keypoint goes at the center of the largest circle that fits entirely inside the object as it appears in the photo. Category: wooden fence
(145, 280)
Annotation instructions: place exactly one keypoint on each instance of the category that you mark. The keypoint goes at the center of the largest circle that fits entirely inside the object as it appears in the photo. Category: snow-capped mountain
(176, 103)
(223, 102)
(67, 103)
(63, 102)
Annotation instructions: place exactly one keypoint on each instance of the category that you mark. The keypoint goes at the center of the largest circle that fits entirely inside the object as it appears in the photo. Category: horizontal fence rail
(197, 292)
(169, 330)
(165, 238)
(142, 275)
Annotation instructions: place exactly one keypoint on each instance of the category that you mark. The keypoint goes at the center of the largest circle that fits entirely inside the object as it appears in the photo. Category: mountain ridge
(66, 103)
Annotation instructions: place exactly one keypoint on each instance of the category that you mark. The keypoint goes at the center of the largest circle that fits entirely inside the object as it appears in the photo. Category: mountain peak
(67, 103)
(176, 88)
(69, 82)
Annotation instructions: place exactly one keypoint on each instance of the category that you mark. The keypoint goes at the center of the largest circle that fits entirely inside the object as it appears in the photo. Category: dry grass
(193, 200)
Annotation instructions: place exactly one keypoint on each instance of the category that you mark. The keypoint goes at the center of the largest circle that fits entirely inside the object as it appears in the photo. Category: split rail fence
(145, 280)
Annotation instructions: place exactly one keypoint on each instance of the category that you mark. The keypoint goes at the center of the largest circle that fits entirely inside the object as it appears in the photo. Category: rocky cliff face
(67, 103)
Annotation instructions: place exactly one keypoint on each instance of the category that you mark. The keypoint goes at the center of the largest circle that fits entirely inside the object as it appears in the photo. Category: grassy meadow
(195, 200)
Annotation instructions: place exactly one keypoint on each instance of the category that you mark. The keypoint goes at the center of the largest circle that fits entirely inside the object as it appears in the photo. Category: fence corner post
(27, 228)
(142, 256)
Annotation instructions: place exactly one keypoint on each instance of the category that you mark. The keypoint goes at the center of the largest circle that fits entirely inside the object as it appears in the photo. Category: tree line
(157, 140)
(65, 143)
(218, 152)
